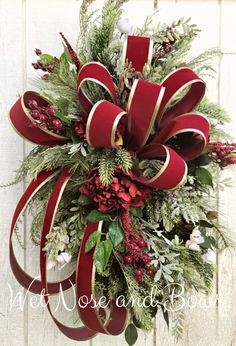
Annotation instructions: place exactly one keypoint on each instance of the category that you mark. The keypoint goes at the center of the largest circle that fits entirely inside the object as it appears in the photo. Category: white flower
(210, 256)
(192, 245)
(124, 26)
(60, 261)
(196, 236)
(51, 263)
(63, 259)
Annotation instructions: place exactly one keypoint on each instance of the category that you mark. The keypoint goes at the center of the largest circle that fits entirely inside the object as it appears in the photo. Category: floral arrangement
(125, 169)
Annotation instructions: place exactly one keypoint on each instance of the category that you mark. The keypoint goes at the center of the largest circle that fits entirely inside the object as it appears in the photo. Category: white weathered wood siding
(26, 24)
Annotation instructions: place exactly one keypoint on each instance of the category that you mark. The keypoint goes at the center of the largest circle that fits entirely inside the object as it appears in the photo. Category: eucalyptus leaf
(131, 334)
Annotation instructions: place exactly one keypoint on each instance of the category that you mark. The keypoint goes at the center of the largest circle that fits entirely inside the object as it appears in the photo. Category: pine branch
(106, 168)
(101, 35)
(123, 159)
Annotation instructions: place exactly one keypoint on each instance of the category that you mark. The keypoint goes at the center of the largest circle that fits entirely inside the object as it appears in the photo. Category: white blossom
(210, 256)
(192, 246)
(124, 26)
(60, 261)
(196, 236)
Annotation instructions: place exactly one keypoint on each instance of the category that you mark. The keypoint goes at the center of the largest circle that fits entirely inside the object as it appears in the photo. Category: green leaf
(203, 160)
(116, 233)
(165, 315)
(137, 323)
(47, 59)
(92, 240)
(95, 216)
(131, 334)
(67, 54)
(102, 254)
(84, 200)
(204, 176)
(98, 257)
(208, 242)
(204, 223)
(136, 211)
(75, 139)
(107, 244)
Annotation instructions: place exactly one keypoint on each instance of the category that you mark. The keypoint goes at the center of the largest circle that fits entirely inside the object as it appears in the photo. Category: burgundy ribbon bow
(148, 105)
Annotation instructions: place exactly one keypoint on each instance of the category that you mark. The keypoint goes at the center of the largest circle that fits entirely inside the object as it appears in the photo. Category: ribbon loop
(195, 124)
(143, 106)
(22, 121)
(97, 73)
(175, 83)
(138, 51)
(102, 124)
(173, 172)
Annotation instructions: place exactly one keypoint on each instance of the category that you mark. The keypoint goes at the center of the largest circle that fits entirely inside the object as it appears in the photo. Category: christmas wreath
(125, 169)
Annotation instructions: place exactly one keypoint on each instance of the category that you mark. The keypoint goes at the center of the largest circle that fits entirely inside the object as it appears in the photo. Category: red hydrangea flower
(123, 192)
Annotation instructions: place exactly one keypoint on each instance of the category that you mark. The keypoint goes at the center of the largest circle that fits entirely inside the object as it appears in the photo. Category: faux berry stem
(72, 52)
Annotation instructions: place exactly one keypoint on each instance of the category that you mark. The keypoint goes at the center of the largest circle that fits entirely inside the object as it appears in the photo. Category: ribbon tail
(28, 282)
(79, 333)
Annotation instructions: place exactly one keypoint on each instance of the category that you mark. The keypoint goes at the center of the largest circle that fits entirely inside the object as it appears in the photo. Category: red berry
(128, 259)
(35, 65)
(34, 123)
(224, 163)
(135, 248)
(44, 126)
(141, 243)
(35, 113)
(45, 76)
(150, 272)
(50, 68)
(146, 258)
(38, 51)
(232, 160)
(42, 117)
(56, 123)
(32, 104)
(138, 272)
(51, 111)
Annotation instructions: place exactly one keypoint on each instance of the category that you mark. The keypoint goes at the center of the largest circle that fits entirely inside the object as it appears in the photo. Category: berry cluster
(39, 65)
(135, 249)
(223, 153)
(161, 50)
(80, 127)
(44, 117)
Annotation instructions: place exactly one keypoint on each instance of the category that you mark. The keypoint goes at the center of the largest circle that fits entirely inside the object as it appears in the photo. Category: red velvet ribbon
(21, 120)
(148, 104)
(137, 50)
(151, 104)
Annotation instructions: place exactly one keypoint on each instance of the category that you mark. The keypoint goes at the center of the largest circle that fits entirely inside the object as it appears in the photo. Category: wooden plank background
(26, 24)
